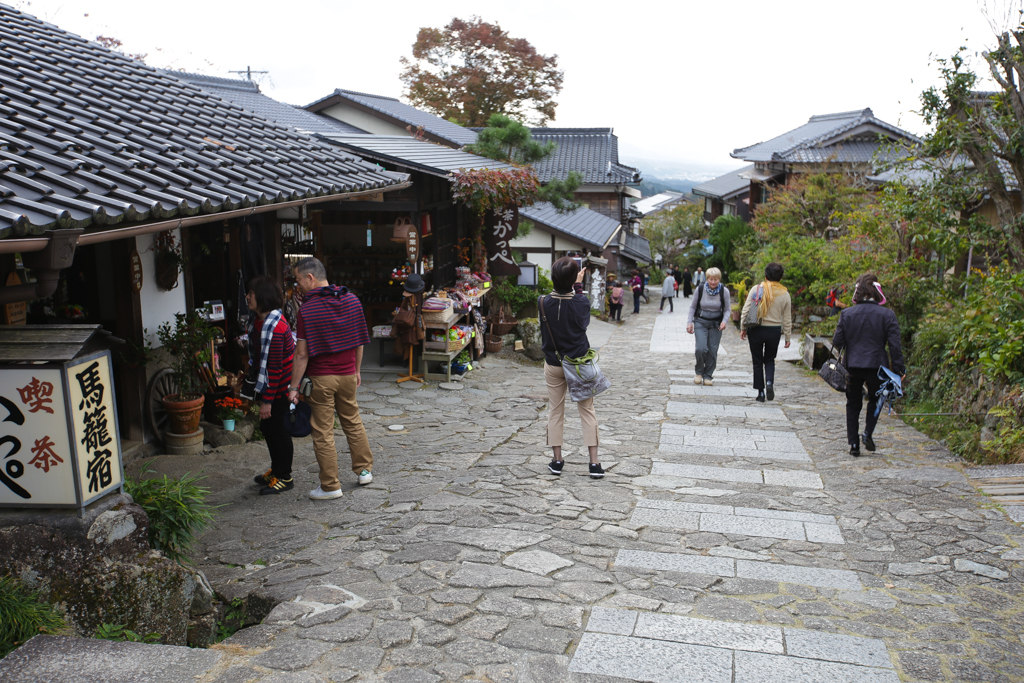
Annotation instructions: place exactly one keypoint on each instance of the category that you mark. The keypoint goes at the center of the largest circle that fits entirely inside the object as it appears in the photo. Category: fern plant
(23, 614)
(177, 511)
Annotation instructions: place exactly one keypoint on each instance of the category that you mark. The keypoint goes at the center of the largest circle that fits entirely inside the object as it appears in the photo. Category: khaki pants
(337, 393)
(558, 392)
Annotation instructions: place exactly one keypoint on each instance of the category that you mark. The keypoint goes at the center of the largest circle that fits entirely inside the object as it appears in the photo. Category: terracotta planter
(184, 415)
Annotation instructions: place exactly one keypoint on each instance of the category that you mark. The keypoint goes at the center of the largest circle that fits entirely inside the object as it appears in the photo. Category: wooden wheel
(162, 384)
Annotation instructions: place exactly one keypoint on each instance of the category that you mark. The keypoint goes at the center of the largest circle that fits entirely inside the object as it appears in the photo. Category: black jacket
(568, 320)
(863, 331)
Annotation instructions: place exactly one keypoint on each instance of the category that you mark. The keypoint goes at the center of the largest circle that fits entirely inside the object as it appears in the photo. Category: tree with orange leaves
(469, 70)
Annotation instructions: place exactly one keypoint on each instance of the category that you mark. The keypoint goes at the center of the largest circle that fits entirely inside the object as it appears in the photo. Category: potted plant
(229, 411)
(188, 343)
(167, 258)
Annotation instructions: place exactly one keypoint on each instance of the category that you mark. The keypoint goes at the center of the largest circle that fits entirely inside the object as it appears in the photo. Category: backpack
(719, 319)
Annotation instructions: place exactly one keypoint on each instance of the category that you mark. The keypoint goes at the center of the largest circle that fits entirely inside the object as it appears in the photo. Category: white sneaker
(698, 380)
(319, 494)
(708, 383)
(365, 477)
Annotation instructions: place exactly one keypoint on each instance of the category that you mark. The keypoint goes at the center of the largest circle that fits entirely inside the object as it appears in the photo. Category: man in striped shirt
(331, 332)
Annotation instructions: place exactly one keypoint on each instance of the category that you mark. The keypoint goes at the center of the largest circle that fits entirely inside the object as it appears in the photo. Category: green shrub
(23, 615)
(119, 632)
(177, 511)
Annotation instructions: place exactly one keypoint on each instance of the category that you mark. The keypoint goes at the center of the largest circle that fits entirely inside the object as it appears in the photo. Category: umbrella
(891, 389)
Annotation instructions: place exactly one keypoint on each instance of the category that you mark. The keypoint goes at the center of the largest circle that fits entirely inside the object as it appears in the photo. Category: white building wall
(158, 306)
(363, 121)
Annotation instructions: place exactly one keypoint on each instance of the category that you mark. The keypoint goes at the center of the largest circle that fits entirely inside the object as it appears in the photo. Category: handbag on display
(834, 373)
(582, 375)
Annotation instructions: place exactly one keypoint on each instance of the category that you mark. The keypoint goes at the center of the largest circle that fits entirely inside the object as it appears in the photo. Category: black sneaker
(596, 471)
(760, 396)
(855, 450)
(869, 443)
(555, 466)
(263, 479)
(769, 392)
(276, 485)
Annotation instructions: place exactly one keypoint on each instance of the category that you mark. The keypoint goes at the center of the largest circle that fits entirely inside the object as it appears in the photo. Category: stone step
(720, 410)
(793, 478)
(726, 567)
(63, 659)
(664, 648)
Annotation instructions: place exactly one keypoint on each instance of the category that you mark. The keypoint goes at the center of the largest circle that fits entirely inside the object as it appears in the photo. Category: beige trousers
(337, 394)
(558, 392)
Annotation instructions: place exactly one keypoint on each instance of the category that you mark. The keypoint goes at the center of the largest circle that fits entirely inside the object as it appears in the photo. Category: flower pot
(229, 425)
(210, 408)
(184, 414)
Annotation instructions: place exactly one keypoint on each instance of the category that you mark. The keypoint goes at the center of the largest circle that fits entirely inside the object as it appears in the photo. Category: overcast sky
(682, 81)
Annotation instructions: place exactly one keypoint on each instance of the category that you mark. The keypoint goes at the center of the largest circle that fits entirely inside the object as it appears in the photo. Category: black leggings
(279, 441)
(764, 345)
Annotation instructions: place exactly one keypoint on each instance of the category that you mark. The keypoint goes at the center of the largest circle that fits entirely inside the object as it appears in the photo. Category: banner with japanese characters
(37, 466)
(500, 227)
(94, 423)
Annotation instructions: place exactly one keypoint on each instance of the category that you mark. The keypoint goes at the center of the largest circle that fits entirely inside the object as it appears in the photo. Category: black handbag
(834, 373)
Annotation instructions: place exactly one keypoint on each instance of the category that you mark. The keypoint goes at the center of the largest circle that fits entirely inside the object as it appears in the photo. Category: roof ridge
(842, 115)
(232, 83)
(572, 131)
(342, 91)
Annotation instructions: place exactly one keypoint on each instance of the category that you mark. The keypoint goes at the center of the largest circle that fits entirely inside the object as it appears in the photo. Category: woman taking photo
(567, 314)
(774, 311)
(706, 321)
(864, 330)
(271, 349)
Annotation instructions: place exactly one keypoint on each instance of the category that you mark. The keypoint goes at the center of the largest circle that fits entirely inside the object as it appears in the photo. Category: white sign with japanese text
(36, 458)
(93, 419)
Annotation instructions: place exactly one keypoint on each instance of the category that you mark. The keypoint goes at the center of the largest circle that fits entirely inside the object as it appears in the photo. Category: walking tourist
(615, 308)
(331, 331)
(271, 349)
(646, 278)
(775, 320)
(706, 321)
(668, 292)
(678, 277)
(687, 283)
(864, 330)
(699, 278)
(637, 285)
(568, 314)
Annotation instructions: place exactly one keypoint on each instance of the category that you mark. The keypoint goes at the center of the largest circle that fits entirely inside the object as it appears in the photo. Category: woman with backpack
(706, 320)
(615, 307)
(775, 319)
(566, 315)
(864, 330)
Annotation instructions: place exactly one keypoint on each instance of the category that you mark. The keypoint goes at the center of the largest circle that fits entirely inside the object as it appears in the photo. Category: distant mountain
(676, 174)
(652, 186)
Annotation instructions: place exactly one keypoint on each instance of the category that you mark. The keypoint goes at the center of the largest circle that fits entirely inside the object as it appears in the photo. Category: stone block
(677, 629)
(612, 621)
(756, 667)
(836, 648)
(650, 660)
(842, 579)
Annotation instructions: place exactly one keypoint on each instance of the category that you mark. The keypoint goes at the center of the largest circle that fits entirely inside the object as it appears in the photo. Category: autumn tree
(469, 70)
(505, 139)
(669, 232)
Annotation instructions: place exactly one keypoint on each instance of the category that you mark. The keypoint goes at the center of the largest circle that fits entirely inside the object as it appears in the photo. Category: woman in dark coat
(687, 283)
(864, 330)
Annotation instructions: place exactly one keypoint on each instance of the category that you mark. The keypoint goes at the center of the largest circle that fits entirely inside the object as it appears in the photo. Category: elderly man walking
(331, 332)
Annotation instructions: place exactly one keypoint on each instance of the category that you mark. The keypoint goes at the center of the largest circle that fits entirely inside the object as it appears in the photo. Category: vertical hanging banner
(412, 244)
(500, 227)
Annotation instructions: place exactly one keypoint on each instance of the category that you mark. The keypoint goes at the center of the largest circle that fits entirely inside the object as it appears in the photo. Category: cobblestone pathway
(730, 542)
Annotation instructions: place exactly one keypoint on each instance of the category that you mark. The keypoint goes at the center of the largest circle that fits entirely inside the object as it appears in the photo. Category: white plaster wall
(542, 260)
(158, 306)
(363, 121)
(538, 237)
(562, 244)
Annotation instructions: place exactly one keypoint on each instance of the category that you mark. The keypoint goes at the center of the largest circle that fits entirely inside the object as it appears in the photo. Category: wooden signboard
(501, 226)
(14, 314)
(412, 245)
(136, 268)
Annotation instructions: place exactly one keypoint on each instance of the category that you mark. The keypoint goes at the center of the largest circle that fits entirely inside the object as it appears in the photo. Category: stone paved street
(731, 541)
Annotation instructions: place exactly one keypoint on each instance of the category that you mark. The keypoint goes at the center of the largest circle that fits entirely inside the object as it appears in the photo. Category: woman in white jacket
(668, 291)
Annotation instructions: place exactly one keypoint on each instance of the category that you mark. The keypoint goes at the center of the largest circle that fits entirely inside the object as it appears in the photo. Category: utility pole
(248, 73)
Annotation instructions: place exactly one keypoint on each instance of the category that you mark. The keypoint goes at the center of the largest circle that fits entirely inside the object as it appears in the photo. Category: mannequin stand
(410, 376)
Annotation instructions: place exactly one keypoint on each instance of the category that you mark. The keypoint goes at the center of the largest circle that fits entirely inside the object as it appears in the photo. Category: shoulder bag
(834, 373)
(582, 375)
(753, 319)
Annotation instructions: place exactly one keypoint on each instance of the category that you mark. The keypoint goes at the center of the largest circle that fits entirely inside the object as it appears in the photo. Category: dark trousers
(669, 300)
(636, 301)
(764, 346)
(279, 441)
(615, 311)
(855, 399)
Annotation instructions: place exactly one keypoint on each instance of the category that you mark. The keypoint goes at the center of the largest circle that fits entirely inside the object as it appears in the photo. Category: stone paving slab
(716, 390)
(734, 452)
(725, 519)
(641, 659)
(755, 667)
(720, 410)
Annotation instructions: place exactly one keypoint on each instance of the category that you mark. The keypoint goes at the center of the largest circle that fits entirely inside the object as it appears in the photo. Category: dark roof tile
(97, 138)
(594, 152)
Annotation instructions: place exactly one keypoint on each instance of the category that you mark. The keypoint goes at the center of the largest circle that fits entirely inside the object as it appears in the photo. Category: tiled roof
(594, 152)
(390, 107)
(247, 95)
(590, 227)
(412, 153)
(89, 137)
(726, 185)
(850, 136)
(636, 247)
